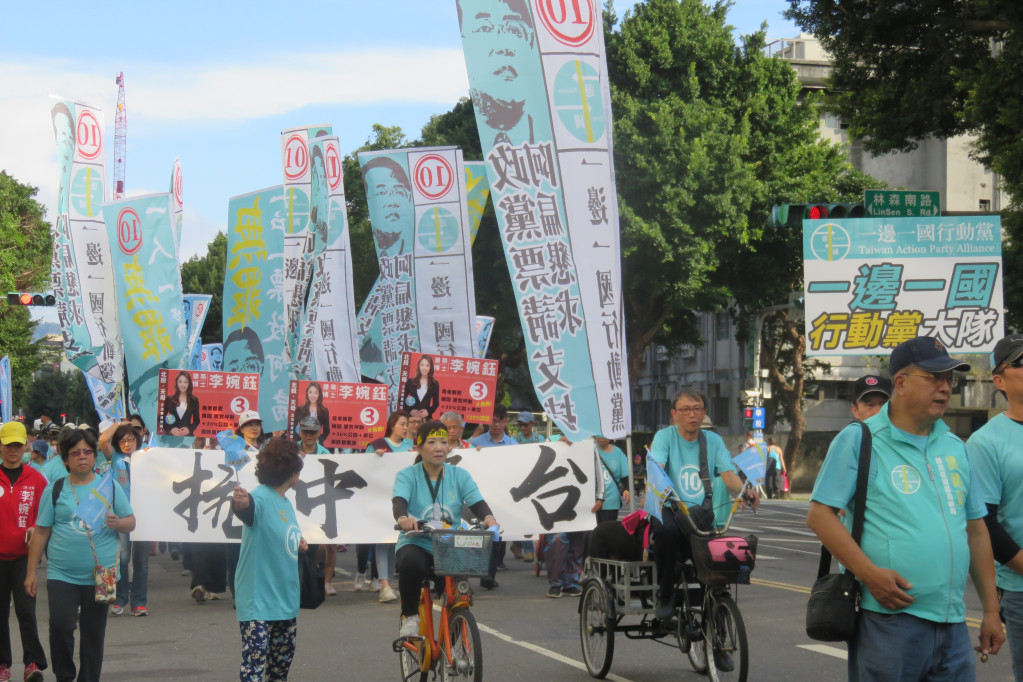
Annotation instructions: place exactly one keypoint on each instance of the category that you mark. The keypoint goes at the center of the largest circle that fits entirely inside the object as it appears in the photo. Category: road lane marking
(826, 650)
(787, 549)
(544, 652)
(780, 586)
(809, 533)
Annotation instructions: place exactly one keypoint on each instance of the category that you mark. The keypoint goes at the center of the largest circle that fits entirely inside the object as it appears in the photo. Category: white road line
(787, 549)
(809, 533)
(826, 650)
(545, 652)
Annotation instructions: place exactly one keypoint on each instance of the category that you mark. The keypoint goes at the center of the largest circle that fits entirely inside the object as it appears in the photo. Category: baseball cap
(925, 352)
(309, 424)
(871, 384)
(248, 416)
(41, 447)
(13, 432)
(526, 418)
(1008, 350)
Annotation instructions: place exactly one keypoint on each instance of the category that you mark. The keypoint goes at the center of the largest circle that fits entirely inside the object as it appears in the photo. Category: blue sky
(213, 83)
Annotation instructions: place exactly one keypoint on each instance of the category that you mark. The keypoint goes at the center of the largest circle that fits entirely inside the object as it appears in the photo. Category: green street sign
(900, 203)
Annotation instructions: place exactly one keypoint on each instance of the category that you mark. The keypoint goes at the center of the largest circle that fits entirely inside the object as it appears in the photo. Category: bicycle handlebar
(742, 496)
(427, 526)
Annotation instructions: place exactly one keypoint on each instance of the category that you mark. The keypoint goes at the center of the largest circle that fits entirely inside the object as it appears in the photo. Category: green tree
(904, 71)
(61, 393)
(205, 275)
(25, 248)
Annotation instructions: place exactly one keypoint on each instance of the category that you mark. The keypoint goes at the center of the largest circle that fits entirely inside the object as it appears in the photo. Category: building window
(721, 325)
(985, 205)
(721, 411)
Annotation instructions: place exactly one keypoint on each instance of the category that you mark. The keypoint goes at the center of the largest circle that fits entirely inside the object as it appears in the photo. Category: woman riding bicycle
(430, 490)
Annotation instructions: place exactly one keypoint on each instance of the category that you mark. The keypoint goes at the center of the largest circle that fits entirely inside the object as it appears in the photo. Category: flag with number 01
(538, 82)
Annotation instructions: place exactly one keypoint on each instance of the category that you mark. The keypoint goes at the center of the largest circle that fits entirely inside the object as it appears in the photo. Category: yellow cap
(13, 432)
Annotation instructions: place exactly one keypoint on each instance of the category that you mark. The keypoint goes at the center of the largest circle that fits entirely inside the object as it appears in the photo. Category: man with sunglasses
(923, 529)
(995, 456)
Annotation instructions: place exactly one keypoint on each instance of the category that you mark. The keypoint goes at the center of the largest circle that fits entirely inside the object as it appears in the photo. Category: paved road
(525, 635)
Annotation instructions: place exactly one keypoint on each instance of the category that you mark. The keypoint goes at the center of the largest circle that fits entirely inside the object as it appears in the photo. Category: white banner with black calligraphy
(185, 495)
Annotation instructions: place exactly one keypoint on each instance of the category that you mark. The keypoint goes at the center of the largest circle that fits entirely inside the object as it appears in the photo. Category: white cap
(248, 416)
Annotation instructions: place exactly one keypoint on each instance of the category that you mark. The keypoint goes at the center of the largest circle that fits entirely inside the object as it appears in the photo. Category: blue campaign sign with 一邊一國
(327, 348)
(81, 275)
(253, 308)
(872, 283)
(538, 81)
(148, 293)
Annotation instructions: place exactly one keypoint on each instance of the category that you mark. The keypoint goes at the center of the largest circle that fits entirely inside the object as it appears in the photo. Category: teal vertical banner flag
(5, 389)
(253, 307)
(148, 293)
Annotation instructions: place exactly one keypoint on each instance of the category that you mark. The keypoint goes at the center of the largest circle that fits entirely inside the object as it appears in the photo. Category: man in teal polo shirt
(923, 529)
(998, 464)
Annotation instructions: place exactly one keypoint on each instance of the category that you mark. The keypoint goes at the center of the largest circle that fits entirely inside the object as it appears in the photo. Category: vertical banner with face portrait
(351, 415)
(538, 81)
(327, 349)
(369, 328)
(107, 398)
(253, 304)
(197, 404)
(82, 276)
(434, 384)
(212, 357)
(418, 211)
(148, 293)
(298, 246)
(195, 308)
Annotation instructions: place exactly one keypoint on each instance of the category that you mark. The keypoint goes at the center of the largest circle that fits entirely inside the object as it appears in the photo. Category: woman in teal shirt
(70, 548)
(266, 580)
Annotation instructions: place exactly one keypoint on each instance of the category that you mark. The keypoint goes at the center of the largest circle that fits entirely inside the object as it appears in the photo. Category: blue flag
(5, 389)
(753, 463)
(93, 508)
(658, 488)
(234, 449)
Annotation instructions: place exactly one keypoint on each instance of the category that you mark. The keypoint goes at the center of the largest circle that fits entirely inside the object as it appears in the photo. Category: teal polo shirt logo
(906, 479)
(689, 483)
(292, 541)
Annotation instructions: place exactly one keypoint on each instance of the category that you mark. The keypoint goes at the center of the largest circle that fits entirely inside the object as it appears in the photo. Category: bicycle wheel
(466, 649)
(694, 649)
(725, 642)
(596, 628)
(410, 666)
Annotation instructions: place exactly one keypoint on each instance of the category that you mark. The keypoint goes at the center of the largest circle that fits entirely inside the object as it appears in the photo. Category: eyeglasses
(950, 376)
(126, 439)
(689, 410)
(1017, 363)
(79, 453)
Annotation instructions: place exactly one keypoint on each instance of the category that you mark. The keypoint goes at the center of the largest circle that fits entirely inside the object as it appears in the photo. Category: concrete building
(720, 366)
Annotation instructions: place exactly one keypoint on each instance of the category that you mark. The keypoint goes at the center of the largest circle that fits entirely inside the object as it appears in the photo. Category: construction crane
(120, 138)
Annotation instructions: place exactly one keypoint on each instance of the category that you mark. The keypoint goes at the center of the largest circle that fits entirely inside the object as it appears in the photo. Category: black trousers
(362, 557)
(65, 599)
(209, 565)
(12, 584)
(414, 564)
(671, 550)
(497, 553)
(607, 515)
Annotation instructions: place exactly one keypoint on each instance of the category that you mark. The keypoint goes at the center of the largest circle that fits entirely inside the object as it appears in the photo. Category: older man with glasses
(923, 529)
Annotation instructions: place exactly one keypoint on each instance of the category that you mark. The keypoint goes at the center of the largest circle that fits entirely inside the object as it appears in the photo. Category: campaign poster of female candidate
(195, 403)
(438, 383)
(351, 415)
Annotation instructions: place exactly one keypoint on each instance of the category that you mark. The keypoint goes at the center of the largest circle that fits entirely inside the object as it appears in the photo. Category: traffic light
(23, 298)
(792, 215)
(846, 211)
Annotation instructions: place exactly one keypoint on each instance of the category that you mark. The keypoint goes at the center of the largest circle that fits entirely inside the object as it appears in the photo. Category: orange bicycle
(455, 651)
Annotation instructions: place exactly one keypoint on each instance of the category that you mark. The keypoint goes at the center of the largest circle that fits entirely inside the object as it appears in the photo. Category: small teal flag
(753, 463)
(658, 488)
(93, 508)
(233, 445)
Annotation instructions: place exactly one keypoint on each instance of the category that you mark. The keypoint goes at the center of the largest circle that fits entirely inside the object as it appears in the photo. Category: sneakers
(374, 585)
(140, 611)
(212, 596)
(572, 591)
(409, 627)
(723, 661)
(387, 595)
(360, 582)
(488, 583)
(5, 673)
(329, 589)
(33, 673)
(115, 610)
(554, 592)
(199, 594)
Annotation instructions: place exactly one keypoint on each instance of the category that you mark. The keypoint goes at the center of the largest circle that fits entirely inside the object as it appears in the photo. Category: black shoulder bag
(703, 515)
(835, 597)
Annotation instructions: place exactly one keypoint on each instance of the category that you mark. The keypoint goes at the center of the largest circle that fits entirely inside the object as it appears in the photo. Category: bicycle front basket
(461, 552)
(723, 560)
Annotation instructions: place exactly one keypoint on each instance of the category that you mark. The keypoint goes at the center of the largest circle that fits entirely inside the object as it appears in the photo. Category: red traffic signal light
(749, 413)
(817, 212)
(22, 298)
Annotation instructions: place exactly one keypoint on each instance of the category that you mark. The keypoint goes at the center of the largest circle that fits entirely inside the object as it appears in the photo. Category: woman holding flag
(74, 549)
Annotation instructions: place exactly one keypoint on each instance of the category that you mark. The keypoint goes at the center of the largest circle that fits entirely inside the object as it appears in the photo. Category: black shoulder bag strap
(859, 500)
(708, 490)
